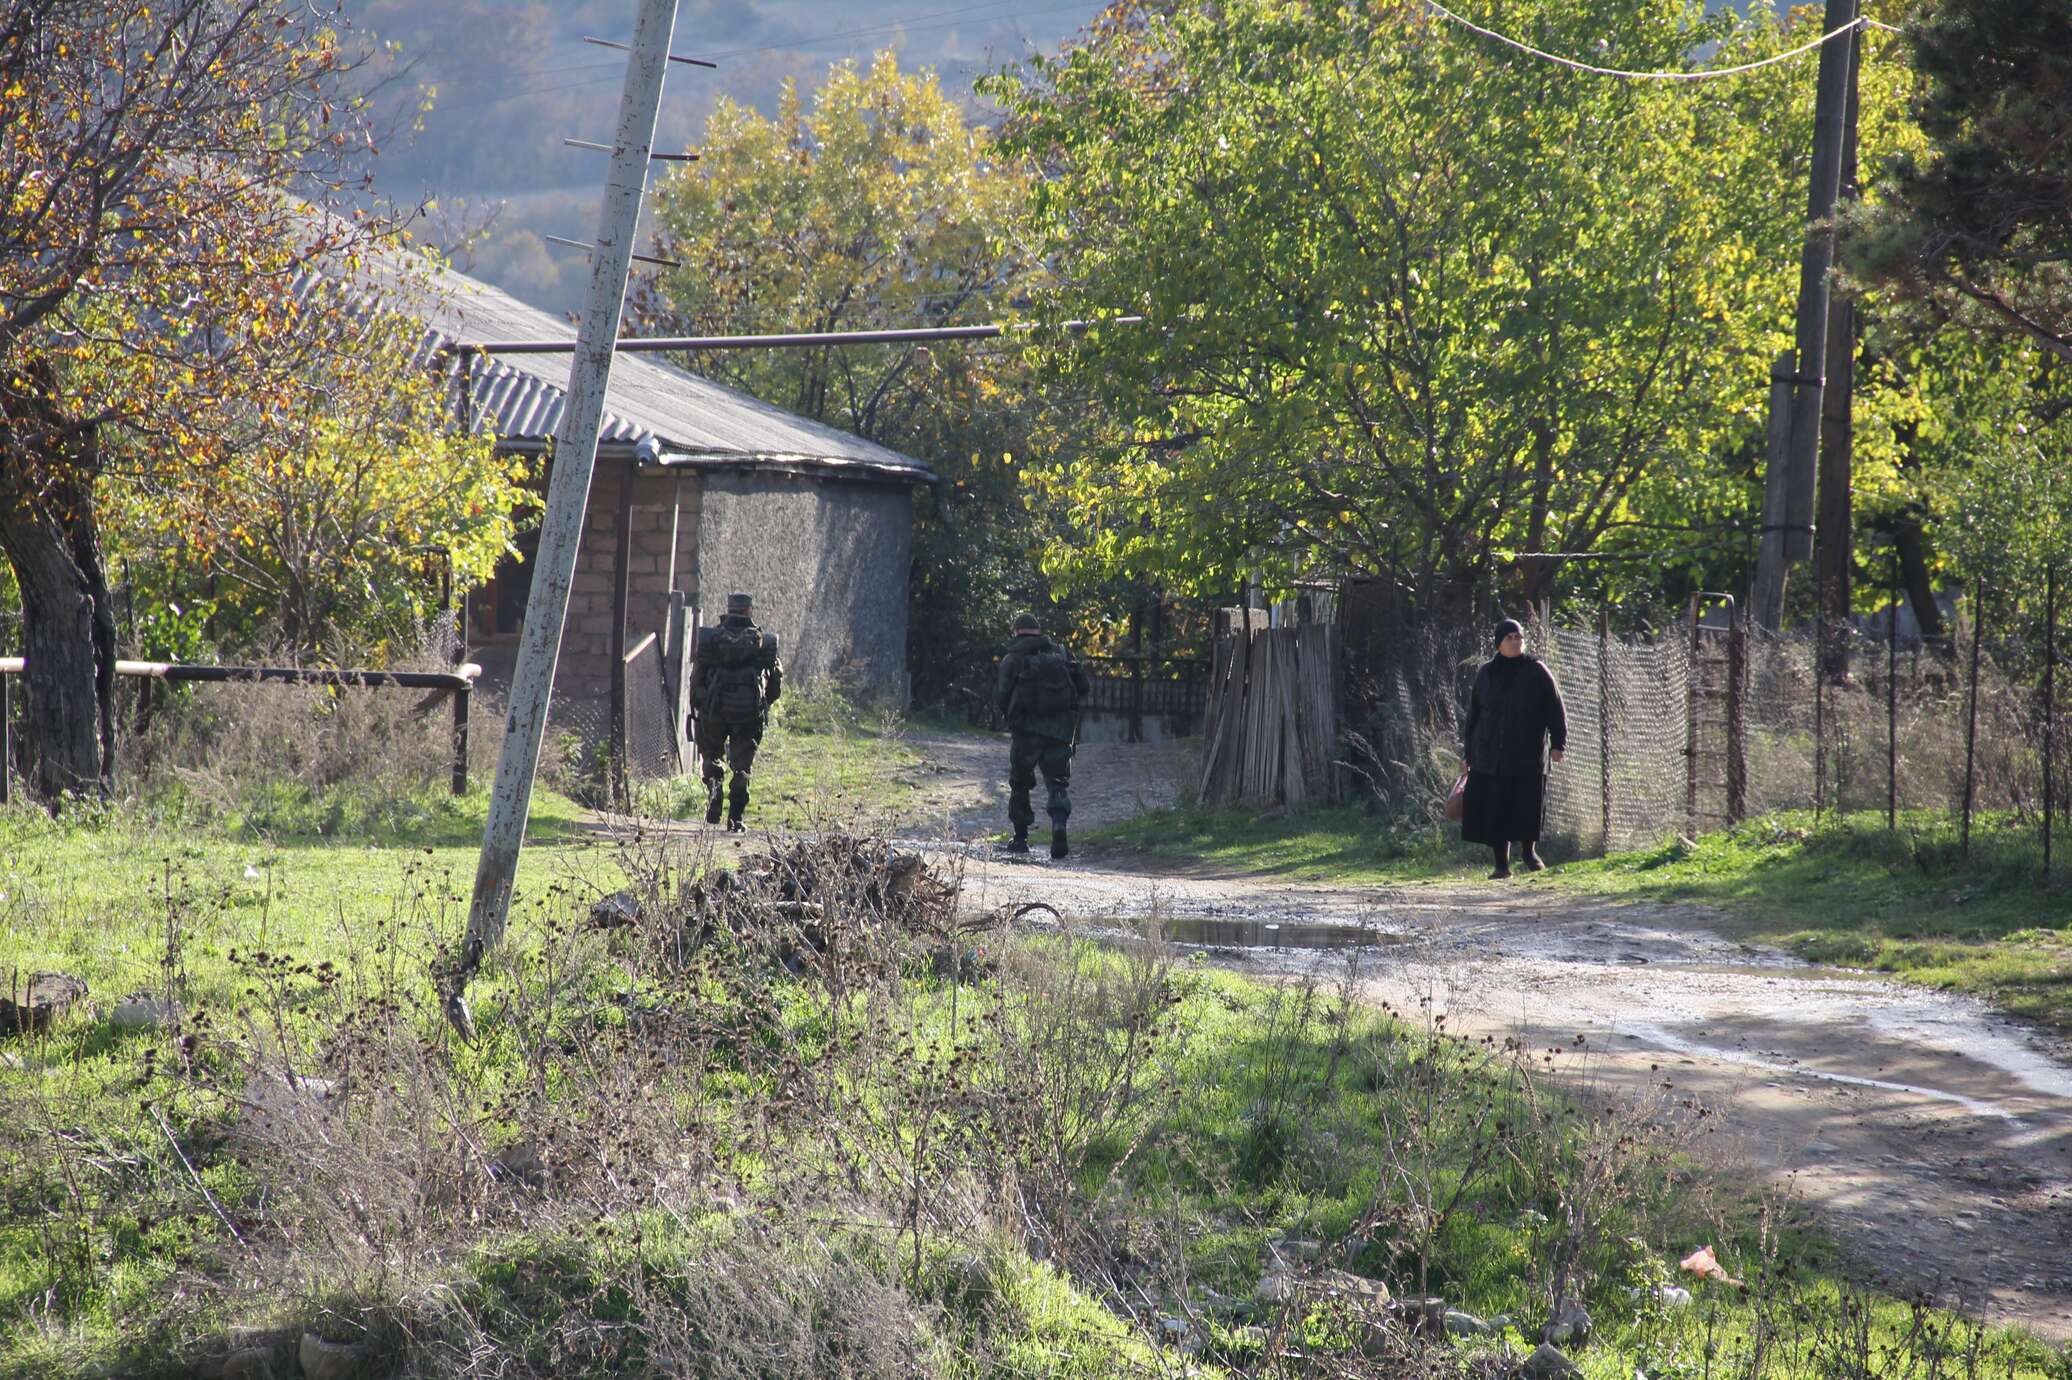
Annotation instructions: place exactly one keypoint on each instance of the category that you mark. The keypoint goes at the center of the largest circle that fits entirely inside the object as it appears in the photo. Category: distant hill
(508, 80)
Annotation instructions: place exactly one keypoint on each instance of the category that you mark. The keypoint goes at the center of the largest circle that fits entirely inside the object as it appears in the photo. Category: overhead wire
(1703, 74)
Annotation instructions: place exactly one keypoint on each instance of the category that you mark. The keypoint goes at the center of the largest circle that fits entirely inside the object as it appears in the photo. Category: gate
(1715, 741)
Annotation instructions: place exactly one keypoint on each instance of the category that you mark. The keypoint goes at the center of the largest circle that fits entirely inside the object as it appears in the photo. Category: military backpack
(1043, 685)
(733, 688)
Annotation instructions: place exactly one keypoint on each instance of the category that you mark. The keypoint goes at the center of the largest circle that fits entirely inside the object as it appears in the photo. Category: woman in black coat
(1514, 713)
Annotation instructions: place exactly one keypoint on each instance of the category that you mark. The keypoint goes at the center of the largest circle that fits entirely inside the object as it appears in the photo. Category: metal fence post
(1819, 717)
(2050, 686)
(1737, 735)
(1978, 623)
(1892, 702)
(1604, 720)
(1691, 728)
(461, 699)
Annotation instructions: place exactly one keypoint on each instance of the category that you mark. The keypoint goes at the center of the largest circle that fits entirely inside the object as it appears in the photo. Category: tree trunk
(48, 533)
(1913, 569)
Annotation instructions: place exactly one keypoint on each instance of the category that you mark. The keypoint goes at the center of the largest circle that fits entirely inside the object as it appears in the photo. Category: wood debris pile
(833, 880)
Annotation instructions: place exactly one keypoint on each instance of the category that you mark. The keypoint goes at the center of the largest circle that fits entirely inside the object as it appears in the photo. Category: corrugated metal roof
(691, 420)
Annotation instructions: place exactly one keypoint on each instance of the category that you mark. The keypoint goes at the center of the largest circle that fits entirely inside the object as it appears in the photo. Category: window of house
(496, 609)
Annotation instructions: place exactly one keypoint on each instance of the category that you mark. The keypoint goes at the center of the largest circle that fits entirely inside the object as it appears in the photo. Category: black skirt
(1502, 809)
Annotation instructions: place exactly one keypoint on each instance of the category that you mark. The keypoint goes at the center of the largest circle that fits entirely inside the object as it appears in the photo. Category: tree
(148, 313)
(320, 536)
(1419, 303)
(878, 206)
(1977, 229)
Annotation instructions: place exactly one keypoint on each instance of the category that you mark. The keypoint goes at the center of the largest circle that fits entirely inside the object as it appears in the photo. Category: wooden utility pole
(1794, 523)
(568, 493)
(1834, 552)
(1766, 604)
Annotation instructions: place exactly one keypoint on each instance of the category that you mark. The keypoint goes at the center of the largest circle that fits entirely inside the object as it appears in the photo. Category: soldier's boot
(737, 803)
(714, 799)
(1059, 846)
(1020, 842)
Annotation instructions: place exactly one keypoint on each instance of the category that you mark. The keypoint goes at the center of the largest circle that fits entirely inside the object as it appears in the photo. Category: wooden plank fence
(1272, 718)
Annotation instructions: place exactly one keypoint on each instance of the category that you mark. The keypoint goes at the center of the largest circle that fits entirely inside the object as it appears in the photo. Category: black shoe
(1020, 842)
(712, 807)
(1535, 863)
(1058, 847)
(1499, 874)
(734, 825)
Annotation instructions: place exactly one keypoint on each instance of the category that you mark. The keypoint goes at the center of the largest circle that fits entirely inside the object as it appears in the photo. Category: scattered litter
(1704, 1264)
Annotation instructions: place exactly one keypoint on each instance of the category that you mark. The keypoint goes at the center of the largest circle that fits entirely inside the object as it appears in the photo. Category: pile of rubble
(810, 888)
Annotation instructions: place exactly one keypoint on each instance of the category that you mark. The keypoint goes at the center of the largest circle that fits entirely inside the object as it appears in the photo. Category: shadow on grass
(1340, 843)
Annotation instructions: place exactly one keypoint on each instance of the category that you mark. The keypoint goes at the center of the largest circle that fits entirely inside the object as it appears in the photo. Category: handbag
(1457, 799)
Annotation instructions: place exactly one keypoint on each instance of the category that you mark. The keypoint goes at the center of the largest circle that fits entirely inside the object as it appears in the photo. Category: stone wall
(827, 562)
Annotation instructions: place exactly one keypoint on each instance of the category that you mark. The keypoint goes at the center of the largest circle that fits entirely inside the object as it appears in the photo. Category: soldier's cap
(1026, 622)
(739, 603)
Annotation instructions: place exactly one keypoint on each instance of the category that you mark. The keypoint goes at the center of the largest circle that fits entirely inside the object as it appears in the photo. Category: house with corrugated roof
(699, 490)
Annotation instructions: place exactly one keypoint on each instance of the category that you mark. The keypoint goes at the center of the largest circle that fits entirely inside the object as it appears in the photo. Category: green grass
(822, 764)
(1202, 1123)
(1304, 1120)
(1329, 844)
(95, 894)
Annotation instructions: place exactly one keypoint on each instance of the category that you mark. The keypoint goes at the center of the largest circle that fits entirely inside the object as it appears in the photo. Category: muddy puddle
(1276, 934)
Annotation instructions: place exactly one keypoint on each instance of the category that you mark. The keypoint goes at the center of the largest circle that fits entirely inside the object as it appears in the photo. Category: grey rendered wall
(827, 563)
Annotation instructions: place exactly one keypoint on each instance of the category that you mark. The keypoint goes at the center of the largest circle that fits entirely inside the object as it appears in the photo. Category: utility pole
(1830, 120)
(1766, 604)
(568, 493)
(1834, 550)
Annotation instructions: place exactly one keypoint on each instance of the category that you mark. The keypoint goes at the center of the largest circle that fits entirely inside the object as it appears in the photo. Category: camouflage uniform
(727, 737)
(1039, 742)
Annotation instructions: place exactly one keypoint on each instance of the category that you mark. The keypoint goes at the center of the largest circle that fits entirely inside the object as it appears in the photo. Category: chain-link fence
(1706, 722)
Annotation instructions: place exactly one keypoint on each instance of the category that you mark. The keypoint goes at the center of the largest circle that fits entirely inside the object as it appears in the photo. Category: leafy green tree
(1417, 302)
(1975, 228)
(321, 535)
(148, 317)
(878, 205)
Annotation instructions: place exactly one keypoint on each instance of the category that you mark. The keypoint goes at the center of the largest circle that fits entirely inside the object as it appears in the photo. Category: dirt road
(1936, 1136)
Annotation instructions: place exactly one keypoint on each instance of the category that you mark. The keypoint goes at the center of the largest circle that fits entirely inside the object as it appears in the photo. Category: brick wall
(586, 639)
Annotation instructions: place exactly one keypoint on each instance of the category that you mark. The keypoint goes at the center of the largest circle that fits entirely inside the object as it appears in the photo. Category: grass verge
(824, 763)
(1903, 901)
(748, 1133)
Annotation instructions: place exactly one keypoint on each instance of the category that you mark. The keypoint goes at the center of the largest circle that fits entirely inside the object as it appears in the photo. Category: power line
(1705, 75)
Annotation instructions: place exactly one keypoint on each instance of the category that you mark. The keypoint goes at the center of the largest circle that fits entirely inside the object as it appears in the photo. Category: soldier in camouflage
(735, 678)
(1039, 691)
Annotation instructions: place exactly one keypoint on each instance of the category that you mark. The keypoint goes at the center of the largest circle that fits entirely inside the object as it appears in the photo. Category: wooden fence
(1273, 712)
(459, 683)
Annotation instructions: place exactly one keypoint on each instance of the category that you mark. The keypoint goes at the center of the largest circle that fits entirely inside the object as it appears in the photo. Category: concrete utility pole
(568, 493)
(1830, 118)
